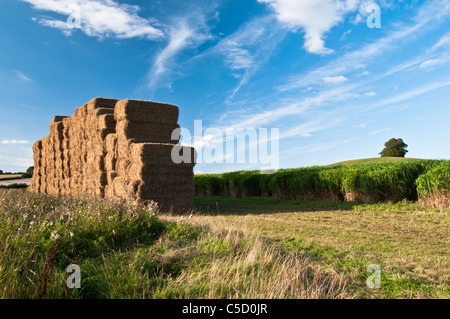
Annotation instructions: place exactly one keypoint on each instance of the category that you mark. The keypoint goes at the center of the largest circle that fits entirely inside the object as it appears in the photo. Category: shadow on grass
(224, 205)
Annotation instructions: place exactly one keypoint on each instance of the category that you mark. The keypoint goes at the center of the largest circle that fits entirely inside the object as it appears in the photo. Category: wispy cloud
(306, 129)
(188, 31)
(248, 48)
(99, 18)
(444, 41)
(22, 76)
(14, 142)
(345, 34)
(413, 93)
(238, 58)
(434, 62)
(179, 38)
(318, 147)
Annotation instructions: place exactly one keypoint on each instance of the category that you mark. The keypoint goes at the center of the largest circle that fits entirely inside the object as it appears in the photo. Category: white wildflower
(54, 235)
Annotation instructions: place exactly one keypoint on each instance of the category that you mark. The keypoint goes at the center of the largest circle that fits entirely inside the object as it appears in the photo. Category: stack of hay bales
(116, 149)
(99, 123)
(142, 165)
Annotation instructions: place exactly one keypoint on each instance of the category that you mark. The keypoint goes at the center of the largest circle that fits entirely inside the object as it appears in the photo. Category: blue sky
(335, 88)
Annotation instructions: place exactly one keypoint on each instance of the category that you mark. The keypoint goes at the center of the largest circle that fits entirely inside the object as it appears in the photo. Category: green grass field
(228, 248)
(127, 251)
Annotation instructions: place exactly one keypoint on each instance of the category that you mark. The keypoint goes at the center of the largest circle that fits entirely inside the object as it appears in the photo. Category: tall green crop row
(390, 181)
(434, 186)
(376, 182)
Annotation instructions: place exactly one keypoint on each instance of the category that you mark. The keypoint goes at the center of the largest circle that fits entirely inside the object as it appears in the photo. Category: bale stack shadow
(116, 149)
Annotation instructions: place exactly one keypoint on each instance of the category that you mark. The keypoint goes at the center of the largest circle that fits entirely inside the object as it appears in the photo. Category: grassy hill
(378, 160)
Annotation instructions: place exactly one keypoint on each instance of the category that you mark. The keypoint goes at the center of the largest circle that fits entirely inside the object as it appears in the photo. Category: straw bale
(110, 144)
(110, 162)
(146, 111)
(100, 103)
(161, 153)
(147, 131)
(103, 111)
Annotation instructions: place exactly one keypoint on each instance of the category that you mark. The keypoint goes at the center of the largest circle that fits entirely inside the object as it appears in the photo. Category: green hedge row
(12, 186)
(386, 181)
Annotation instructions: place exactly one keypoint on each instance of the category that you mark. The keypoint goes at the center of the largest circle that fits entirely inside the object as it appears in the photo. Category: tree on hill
(1, 172)
(395, 147)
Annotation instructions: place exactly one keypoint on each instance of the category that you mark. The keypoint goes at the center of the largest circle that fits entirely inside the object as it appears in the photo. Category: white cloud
(428, 16)
(98, 18)
(14, 142)
(315, 17)
(335, 79)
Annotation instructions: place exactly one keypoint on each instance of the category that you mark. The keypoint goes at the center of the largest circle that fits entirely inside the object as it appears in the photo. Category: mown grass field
(410, 243)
